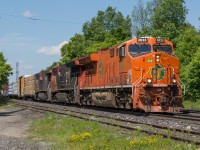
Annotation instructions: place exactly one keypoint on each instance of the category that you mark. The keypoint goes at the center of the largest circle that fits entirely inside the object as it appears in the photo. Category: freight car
(142, 73)
(26, 86)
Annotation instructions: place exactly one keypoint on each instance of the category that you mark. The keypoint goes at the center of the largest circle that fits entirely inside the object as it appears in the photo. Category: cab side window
(122, 51)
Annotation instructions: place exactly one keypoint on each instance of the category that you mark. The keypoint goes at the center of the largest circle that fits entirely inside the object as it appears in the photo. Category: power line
(38, 19)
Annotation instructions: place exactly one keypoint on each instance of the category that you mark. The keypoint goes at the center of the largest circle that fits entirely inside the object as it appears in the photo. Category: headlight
(174, 81)
(157, 58)
(149, 81)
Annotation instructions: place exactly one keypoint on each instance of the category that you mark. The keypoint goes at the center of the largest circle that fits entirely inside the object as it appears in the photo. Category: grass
(192, 105)
(68, 133)
(6, 103)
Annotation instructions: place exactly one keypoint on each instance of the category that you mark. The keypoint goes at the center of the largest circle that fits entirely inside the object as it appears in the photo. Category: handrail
(75, 84)
(141, 77)
(182, 85)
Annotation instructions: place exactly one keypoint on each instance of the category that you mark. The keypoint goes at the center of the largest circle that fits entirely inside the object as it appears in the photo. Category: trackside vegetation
(65, 132)
(5, 70)
(192, 105)
(6, 104)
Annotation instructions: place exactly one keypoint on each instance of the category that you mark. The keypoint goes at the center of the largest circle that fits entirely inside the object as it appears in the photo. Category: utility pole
(17, 71)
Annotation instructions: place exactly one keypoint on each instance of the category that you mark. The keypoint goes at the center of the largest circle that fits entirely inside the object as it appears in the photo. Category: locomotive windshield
(163, 48)
(137, 50)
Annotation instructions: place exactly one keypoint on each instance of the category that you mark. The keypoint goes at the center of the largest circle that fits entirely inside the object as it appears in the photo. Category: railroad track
(190, 111)
(124, 123)
(191, 118)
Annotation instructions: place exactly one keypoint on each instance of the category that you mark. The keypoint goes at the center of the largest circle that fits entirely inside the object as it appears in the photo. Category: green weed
(6, 104)
(191, 105)
(69, 133)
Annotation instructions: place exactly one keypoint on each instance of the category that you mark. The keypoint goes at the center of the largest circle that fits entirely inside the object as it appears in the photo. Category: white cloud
(51, 50)
(27, 13)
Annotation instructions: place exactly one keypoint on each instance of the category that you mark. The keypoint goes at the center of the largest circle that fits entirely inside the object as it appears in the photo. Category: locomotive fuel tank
(42, 96)
(105, 99)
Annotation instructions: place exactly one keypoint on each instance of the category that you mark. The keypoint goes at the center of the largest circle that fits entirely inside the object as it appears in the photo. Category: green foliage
(192, 77)
(187, 44)
(105, 30)
(5, 103)
(159, 18)
(188, 104)
(109, 42)
(5, 70)
(168, 18)
(107, 23)
(187, 49)
(65, 132)
(74, 49)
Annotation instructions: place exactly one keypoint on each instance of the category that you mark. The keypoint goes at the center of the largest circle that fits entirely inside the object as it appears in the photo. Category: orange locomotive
(142, 73)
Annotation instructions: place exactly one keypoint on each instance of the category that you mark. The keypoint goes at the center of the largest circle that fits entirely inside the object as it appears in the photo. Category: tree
(187, 47)
(73, 49)
(140, 19)
(187, 44)
(159, 18)
(105, 30)
(168, 19)
(192, 74)
(108, 23)
(5, 70)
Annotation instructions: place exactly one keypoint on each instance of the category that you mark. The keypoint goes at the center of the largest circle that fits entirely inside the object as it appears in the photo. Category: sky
(32, 31)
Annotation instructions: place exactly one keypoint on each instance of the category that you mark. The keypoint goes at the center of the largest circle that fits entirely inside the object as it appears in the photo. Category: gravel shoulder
(14, 124)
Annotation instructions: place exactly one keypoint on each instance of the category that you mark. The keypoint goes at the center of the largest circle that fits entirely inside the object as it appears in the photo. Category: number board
(142, 40)
(160, 40)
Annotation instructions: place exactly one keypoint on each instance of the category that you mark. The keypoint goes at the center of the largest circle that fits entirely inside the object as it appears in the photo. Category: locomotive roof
(87, 59)
(71, 64)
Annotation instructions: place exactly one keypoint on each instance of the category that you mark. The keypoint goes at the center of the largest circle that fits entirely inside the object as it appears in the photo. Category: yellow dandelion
(87, 134)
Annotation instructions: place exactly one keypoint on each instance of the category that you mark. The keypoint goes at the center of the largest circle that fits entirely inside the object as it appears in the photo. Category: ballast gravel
(14, 143)
(14, 124)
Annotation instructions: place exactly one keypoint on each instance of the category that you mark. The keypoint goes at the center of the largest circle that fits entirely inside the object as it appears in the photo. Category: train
(141, 73)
